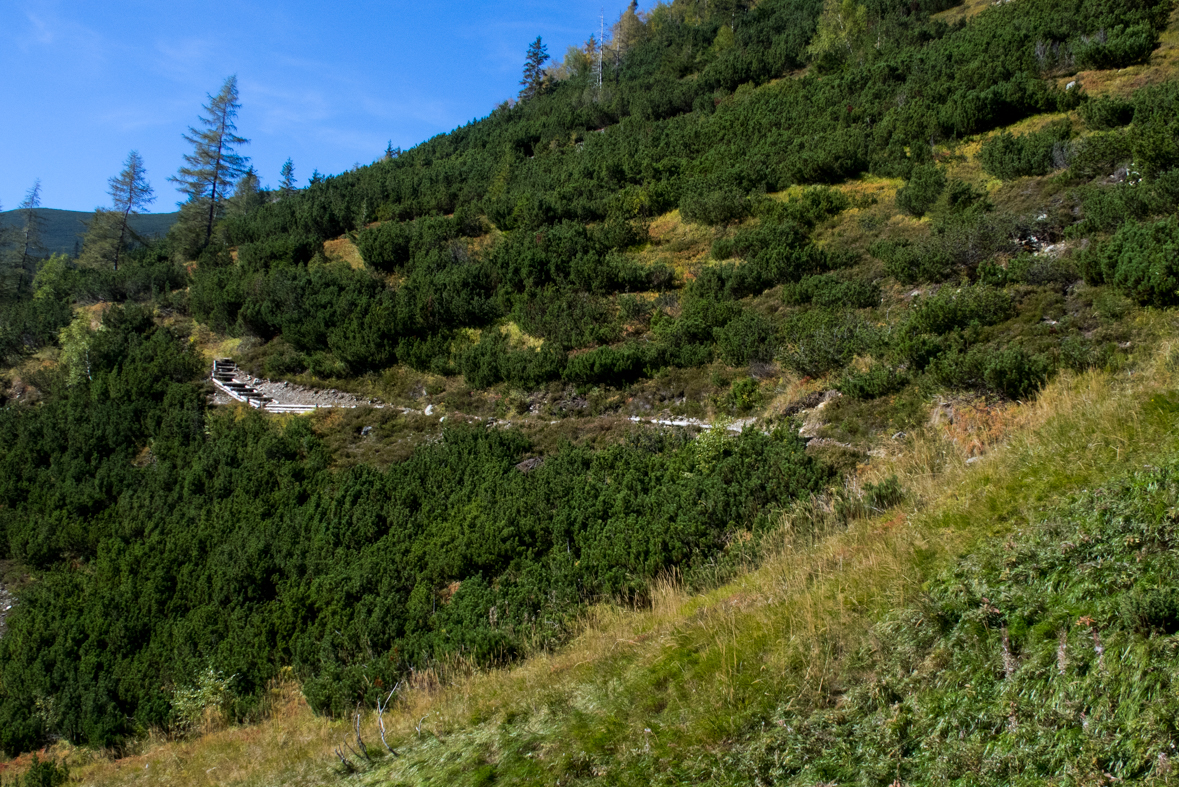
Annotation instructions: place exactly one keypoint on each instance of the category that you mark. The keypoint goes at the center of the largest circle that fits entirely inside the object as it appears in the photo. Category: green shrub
(1015, 373)
(714, 201)
(886, 494)
(1042, 270)
(1101, 154)
(879, 380)
(1078, 353)
(1009, 157)
(830, 291)
(814, 205)
(44, 773)
(1151, 611)
(743, 396)
(283, 250)
(1103, 113)
(1012, 371)
(922, 190)
(750, 338)
(960, 198)
(819, 341)
(1156, 129)
(951, 309)
(1141, 259)
(911, 263)
(1117, 48)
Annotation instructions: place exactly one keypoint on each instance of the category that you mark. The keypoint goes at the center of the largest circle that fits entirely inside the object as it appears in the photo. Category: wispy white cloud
(42, 32)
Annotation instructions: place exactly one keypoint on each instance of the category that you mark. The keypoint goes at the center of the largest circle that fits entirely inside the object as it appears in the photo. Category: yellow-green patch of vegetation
(676, 243)
(343, 250)
(963, 11)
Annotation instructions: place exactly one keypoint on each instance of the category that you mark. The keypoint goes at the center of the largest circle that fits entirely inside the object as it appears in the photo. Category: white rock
(429, 409)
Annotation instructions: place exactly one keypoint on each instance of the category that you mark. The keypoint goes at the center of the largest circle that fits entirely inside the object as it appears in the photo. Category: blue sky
(327, 84)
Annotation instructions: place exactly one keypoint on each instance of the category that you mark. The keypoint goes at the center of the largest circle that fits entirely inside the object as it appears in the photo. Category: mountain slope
(63, 230)
(891, 255)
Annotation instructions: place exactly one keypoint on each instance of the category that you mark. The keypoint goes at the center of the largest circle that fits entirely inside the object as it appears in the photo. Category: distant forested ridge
(64, 229)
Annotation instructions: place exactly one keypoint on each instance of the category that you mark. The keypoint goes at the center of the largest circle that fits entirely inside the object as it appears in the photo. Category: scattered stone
(429, 409)
(942, 413)
(807, 402)
(366, 431)
(528, 465)
(826, 442)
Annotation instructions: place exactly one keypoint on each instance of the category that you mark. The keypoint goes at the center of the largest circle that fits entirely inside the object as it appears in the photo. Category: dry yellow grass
(343, 250)
(678, 244)
(966, 10)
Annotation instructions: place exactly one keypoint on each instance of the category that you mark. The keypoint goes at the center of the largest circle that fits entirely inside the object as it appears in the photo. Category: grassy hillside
(930, 268)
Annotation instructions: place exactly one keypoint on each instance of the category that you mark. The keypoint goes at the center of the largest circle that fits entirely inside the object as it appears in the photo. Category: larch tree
(32, 225)
(130, 195)
(842, 37)
(214, 164)
(630, 29)
(533, 79)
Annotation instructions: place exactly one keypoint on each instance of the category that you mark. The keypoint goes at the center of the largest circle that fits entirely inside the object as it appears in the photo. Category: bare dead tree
(359, 742)
(381, 708)
(349, 766)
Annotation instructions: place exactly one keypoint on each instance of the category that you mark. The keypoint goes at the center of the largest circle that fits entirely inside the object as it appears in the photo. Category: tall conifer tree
(109, 232)
(214, 164)
(533, 69)
(130, 194)
(286, 183)
(32, 227)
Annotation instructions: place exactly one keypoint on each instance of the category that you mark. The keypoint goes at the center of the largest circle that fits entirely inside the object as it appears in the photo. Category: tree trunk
(122, 235)
(213, 193)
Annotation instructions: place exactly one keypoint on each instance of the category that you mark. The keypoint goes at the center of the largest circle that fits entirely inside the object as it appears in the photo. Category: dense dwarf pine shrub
(830, 291)
(714, 201)
(879, 380)
(950, 309)
(922, 190)
(1008, 157)
(1142, 259)
(236, 548)
(1102, 113)
(748, 339)
(824, 340)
